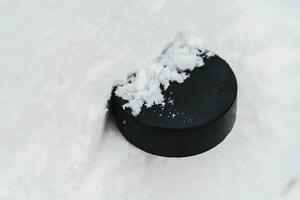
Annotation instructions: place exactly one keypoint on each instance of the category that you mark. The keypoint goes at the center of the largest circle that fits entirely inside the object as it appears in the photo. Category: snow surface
(176, 63)
(59, 59)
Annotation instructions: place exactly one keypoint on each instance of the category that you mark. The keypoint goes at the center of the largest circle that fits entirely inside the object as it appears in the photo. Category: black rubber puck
(199, 113)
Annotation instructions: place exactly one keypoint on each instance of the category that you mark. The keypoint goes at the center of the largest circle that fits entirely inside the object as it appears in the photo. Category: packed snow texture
(175, 64)
(59, 60)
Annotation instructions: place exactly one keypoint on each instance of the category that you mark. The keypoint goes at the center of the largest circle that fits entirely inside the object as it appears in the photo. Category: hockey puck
(197, 114)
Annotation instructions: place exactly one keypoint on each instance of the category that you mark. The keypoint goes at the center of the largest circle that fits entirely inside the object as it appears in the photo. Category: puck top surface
(202, 98)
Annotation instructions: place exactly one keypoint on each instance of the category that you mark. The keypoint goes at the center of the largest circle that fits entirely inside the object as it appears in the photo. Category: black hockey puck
(197, 115)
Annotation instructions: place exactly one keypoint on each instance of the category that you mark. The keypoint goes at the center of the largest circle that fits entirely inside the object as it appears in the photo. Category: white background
(59, 59)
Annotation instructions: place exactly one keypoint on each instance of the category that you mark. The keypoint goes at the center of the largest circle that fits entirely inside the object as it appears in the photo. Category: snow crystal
(174, 65)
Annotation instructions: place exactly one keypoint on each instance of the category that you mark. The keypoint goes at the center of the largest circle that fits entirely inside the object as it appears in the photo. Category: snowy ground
(59, 58)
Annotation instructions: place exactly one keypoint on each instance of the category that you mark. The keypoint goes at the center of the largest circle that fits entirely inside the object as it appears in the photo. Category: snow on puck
(182, 105)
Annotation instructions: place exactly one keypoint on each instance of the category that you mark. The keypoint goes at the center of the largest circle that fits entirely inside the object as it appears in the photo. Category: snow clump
(174, 65)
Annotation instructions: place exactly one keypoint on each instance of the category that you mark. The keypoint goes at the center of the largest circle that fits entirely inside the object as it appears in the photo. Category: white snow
(174, 65)
(60, 58)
